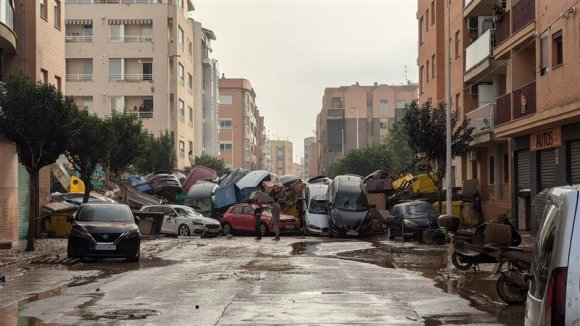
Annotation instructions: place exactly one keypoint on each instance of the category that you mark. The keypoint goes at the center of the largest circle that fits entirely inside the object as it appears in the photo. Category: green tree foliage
(363, 161)
(37, 118)
(159, 154)
(87, 147)
(424, 130)
(127, 141)
(211, 162)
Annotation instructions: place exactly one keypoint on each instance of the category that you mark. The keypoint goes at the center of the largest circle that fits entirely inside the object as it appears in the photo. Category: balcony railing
(190, 124)
(7, 13)
(131, 77)
(79, 77)
(482, 119)
(478, 51)
(181, 81)
(503, 110)
(78, 39)
(130, 38)
(181, 118)
(141, 114)
(502, 28)
(523, 12)
(110, 1)
(524, 100)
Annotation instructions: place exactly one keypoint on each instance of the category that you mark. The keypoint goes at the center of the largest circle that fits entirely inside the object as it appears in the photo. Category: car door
(236, 218)
(395, 217)
(248, 218)
(173, 220)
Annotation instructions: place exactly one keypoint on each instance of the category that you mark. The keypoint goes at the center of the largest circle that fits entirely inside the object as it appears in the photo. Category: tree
(159, 154)
(424, 130)
(87, 147)
(37, 118)
(126, 142)
(211, 162)
(363, 161)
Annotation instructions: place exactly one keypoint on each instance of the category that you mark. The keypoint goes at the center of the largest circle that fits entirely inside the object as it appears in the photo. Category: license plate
(105, 247)
(351, 233)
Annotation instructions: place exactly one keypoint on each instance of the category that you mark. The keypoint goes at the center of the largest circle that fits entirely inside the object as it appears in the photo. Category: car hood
(107, 227)
(350, 218)
(320, 220)
(204, 220)
(419, 220)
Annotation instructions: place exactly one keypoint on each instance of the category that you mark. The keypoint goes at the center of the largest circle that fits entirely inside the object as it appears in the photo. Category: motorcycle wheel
(460, 261)
(510, 292)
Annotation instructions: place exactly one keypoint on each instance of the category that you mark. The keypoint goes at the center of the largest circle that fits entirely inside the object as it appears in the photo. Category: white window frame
(223, 123)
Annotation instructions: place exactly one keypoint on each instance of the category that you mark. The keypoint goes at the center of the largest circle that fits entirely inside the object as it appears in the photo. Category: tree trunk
(439, 197)
(33, 211)
(88, 189)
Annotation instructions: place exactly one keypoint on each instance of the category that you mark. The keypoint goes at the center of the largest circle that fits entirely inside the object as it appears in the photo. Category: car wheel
(226, 229)
(263, 229)
(390, 233)
(510, 292)
(135, 259)
(460, 261)
(183, 230)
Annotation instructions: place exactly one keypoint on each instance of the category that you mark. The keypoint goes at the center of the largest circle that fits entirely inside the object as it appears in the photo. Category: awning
(78, 22)
(130, 21)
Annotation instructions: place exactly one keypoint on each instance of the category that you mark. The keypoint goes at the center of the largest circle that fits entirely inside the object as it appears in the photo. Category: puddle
(123, 314)
(10, 315)
(307, 248)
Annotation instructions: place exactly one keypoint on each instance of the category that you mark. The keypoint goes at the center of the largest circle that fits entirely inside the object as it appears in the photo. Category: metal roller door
(574, 162)
(547, 168)
(23, 201)
(523, 169)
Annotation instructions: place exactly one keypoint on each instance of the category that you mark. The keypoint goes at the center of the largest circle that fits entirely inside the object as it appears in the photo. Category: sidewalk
(43, 247)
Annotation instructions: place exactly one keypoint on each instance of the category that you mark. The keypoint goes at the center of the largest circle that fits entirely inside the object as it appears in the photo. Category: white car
(184, 221)
(554, 279)
(316, 216)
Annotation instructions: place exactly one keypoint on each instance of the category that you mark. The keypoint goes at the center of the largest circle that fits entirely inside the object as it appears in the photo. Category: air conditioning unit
(474, 89)
(473, 23)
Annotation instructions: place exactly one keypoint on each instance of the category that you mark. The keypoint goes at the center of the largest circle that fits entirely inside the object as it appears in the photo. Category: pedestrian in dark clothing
(259, 208)
(276, 209)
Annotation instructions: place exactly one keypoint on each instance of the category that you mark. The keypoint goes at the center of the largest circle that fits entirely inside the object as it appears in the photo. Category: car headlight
(194, 222)
(410, 223)
(132, 234)
(79, 232)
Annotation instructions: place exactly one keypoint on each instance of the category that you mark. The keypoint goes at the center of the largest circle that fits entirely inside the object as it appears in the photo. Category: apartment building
(241, 133)
(137, 57)
(308, 143)
(210, 95)
(520, 93)
(356, 116)
(31, 43)
(281, 152)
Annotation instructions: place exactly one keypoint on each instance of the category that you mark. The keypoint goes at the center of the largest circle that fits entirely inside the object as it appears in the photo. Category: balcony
(131, 77)
(523, 12)
(130, 38)
(482, 120)
(111, 1)
(79, 77)
(7, 35)
(478, 51)
(502, 28)
(515, 27)
(503, 109)
(141, 114)
(518, 104)
(78, 39)
(474, 8)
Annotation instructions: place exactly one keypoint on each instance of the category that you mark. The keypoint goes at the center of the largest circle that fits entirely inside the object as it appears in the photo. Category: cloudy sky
(291, 50)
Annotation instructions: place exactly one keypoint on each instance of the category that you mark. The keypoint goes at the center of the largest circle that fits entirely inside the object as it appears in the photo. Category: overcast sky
(291, 50)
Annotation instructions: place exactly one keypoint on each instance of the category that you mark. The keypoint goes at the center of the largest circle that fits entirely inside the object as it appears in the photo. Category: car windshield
(420, 209)
(318, 206)
(351, 201)
(105, 213)
(185, 211)
(201, 205)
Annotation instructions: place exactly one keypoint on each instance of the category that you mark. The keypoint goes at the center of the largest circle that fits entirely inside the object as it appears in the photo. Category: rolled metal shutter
(547, 168)
(574, 162)
(23, 201)
(523, 170)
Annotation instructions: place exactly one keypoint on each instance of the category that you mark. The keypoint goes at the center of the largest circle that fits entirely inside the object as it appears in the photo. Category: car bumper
(213, 231)
(125, 248)
(313, 229)
(343, 230)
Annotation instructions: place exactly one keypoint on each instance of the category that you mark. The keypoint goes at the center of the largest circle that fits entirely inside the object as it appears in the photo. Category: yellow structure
(420, 184)
(76, 184)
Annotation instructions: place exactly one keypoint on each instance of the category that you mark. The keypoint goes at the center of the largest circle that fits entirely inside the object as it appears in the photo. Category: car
(200, 197)
(411, 218)
(183, 220)
(554, 278)
(240, 219)
(348, 206)
(316, 210)
(104, 230)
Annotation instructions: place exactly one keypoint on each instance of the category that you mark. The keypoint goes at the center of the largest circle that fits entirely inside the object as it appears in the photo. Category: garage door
(23, 201)
(574, 162)
(523, 169)
(547, 168)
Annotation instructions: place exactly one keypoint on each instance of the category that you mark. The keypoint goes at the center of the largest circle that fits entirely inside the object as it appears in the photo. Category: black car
(410, 219)
(104, 231)
(349, 213)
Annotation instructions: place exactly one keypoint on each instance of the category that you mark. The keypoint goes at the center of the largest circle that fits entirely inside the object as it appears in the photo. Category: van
(554, 279)
(348, 207)
(316, 215)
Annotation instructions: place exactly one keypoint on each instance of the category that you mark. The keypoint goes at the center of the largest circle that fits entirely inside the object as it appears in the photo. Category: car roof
(348, 183)
(414, 202)
(102, 204)
(317, 188)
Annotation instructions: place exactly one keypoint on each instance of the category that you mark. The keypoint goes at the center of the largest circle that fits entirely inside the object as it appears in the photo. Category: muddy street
(224, 281)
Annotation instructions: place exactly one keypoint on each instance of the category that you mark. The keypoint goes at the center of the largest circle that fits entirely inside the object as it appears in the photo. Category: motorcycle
(511, 285)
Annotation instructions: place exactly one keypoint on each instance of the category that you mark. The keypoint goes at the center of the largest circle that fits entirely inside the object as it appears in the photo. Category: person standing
(276, 209)
(259, 208)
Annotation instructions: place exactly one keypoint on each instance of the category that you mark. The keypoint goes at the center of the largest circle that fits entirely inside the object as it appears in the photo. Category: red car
(240, 219)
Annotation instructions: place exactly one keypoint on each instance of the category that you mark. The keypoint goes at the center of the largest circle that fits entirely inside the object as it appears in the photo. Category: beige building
(241, 133)
(308, 143)
(281, 152)
(356, 116)
(31, 43)
(138, 57)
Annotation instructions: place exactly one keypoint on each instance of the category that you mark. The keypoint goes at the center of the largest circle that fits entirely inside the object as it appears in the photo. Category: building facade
(32, 44)
(357, 116)
(210, 95)
(241, 133)
(308, 143)
(281, 152)
(137, 57)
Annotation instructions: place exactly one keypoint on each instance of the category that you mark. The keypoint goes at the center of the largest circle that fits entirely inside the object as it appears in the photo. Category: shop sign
(546, 139)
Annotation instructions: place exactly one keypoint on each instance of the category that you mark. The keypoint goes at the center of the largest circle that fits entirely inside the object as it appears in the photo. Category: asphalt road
(241, 281)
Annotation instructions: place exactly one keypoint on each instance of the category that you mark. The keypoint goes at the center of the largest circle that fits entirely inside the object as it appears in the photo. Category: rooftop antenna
(406, 75)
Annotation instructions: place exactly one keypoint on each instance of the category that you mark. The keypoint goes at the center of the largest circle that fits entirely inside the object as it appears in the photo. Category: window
(491, 169)
(116, 33)
(457, 100)
(401, 104)
(147, 32)
(147, 107)
(117, 103)
(181, 110)
(474, 170)
(57, 14)
(432, 12)
(190, 110)
(87, 103)
(180, 36)
(433, 66)
(226, 146)
(225, 100)
(116, 69)
(544, 53)
(181, 148)
(506, 168)
(384, 125)
(181, 74)
(421, 80)
(190, 152)
(557, 49)
(44, 76)
(420, 30)
(384, 107)
(225, 123)
(457, 45)
(58, 83)
(427, 20)
(189, 83)
(544, 247)
(43, 10)
(427, 72)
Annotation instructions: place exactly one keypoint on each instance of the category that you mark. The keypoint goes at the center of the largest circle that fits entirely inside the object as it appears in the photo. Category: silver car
(184, 221)
(554, 279)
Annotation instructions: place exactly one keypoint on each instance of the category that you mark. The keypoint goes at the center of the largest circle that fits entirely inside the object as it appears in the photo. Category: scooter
(511, 285)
